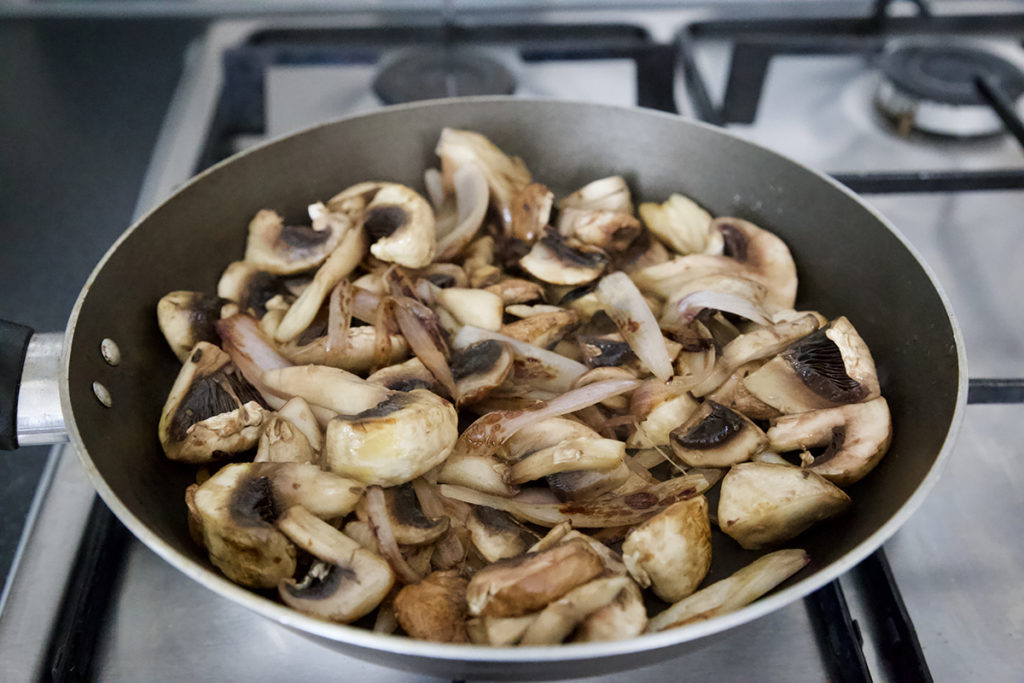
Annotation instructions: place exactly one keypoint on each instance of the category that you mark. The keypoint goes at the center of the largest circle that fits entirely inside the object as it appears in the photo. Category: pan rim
(479, 654)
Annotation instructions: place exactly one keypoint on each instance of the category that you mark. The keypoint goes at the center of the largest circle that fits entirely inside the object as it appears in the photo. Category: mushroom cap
(716, 436)
(435, 608)
(355, 354)
(857, 436)
(552, 259)
(394, 442)
(409, 525)
(671, 551)
(496, 534)
(212, 411)
(252, 287)
(285, 249)
(480, 368)
(400, 224)
(762, 504)
(762, 254)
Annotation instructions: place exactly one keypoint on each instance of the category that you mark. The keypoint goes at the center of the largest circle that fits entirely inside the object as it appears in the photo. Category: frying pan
(850, 262)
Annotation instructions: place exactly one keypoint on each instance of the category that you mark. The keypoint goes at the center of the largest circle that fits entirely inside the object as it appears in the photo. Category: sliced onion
(690, 306)
(339, 315)
(383, 327)
(376, 510)
(252, 353)
(488, 433)
(422, 331)
(626, 306)
(449, 551)
(471, 196)
(435, 189)
(555, 371)
(364, 304)
(618, 511)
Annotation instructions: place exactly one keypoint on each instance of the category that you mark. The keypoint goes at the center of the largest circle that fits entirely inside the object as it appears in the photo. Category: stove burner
(431, 73)
(932, 88)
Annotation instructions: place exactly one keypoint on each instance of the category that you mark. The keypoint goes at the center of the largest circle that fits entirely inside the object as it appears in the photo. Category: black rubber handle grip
(13, 344)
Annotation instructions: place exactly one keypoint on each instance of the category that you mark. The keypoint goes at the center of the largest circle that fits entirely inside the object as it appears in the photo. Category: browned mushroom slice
(282, 441)
(187, 318)
(212, 411)
(552, 259)
(251, 288)
(408, 523)
(285, 249)
(399, 224)
(558, 620)
(728, 595)
(355, 353)
(762, 255)
(497, 535)
(530, 211)
(644, 251)
(624, 617)
(671, 551)
(543, 329)
(762, 504)
(517, 291)
(587, 453)
(500, 631)
(679, 222)
(523, 584)
(659, 408)
(608, 194)
(480, 368)
(582, 485)
(830, 367)
(434, 609)
(411, 374)
(716, 436)
(613, 231)
(856, 437)
(347, 583)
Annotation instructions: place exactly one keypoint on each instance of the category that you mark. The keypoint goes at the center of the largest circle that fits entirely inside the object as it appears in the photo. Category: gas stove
(943, 597)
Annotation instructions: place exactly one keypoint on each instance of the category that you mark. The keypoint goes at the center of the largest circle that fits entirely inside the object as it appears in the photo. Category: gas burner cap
(931, 87)
(430, 73)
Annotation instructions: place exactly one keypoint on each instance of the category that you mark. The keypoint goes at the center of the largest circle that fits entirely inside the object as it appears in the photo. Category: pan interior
(848, 261)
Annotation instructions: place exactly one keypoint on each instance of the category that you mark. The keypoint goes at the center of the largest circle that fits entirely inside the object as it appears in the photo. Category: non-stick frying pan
(849, 260)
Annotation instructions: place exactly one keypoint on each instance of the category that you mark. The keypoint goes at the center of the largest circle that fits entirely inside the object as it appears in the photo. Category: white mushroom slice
(506, 176)
(659, 409)
(517, 291)
(612, 231)
(355, 353)
(530, 211)
(856, 437)
(399, 223)
(480, 368)
(557, 621)
(637, 324)
(499, 631)
(252, 288)
(362, 533)
(622, 618)
(763, 256)
(212, 411)
(734, 394)
(479, 263)
(611, 194)
(497, 535)
(475, 307)
(282, 441)
(339, 265)
(553, 260)
(332, 388)
(480, 472)
(285, 249)
(764, 342)
(643, 252)
(434, 609)
(471, 200)
(716, 436)
(349, 584)
(544, 434)
(679, 222)
(583, 485)
(613, 564)
(527, 583)
(830, 367)
(187, 318)
(666, 277)
(529, 310)
(763, 504)
(411, 374)
(728, 595)
(572, 454)
(543, 329)
(540, 368)
(671, 551)
(409, 525)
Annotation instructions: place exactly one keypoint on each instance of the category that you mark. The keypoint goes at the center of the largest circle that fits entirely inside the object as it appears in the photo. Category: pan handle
(29, 392)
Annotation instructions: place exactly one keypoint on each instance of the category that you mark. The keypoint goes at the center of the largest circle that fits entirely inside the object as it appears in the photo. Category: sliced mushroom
(612, 231)
(480, 368)
(734, 394)
(671, 552)
(717, 436)
(517, 291)
(645, 250)
(399, 224)
(434, 609)
(282, 441)
(569, 455)
(610, 194)
(530, 211)
(544, 329)
(347, 583)
(763, 256)
(212, 411)
(558, 620)
(498, 535)
(251, 288)
(527, 583)
(679, 222)
(659, 408)
(728, 595)
(476, 307)
(624, 617)
(479, 263)
(411, 374)
(285, 249)
(187, 318)
(553, 259)
(409, 525)
(824, 369)
(355, 354)
(480, 472)
(856, 437)
(582, 485)
(379, 436)
(762, 504)
(500, 631)
(506, 176)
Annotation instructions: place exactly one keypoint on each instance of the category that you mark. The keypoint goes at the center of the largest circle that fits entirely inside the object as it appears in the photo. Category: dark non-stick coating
(848, 261)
